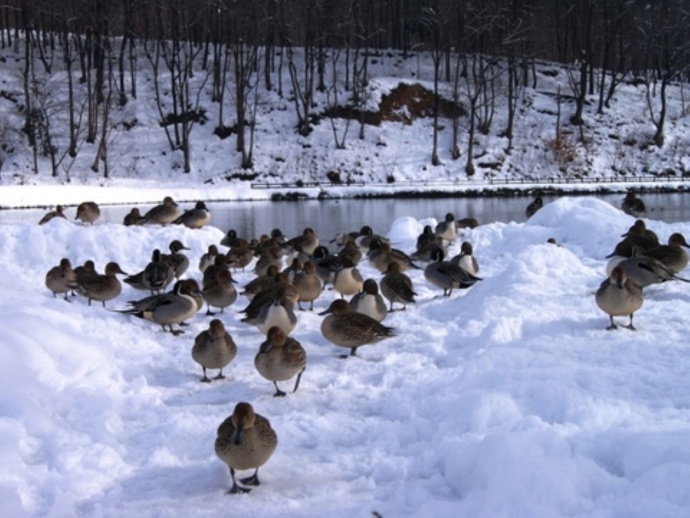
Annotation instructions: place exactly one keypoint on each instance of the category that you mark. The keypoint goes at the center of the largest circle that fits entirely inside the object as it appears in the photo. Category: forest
(238, 48)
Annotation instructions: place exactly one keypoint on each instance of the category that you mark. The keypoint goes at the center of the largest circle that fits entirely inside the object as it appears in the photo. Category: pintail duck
(240, 255)
(162, 214)
(208, 258)
(57, 213)
(308, 285)
(619, 296)
(427, 241)
(363, 238)
(85, 271)
(397, 286)
(643, 270)
(230, 238)
(280, 358)
(632, 205)
(369, 301)
(178, 260)
(465, 259)
(351, 251)
(638, 238)
(345, 328)
(278, 312)
(221, 293)
(306, 242)
(467, 223)
(292, 270)
(534, 206)
(327, 264)
(271, 256)
(446, 275)
(61, 278)
(214, 349)
(671, 255)
(245, 440)
(88, 212)
(169, 308)
(348, 280)
(155, 277)
(381, 253)
(196, 217)
(446, 229)
(134, 217)
(261, 282)
(102, 287)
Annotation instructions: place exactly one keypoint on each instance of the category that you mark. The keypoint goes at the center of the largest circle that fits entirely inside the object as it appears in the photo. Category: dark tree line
(238, 47)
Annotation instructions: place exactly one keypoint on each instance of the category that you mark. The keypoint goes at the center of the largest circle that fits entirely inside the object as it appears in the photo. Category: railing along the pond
(468, 183)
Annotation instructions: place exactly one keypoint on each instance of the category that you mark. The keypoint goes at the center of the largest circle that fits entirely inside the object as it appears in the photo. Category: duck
(426, 242)
(169, 308)
(396, 286)
(345, 328)
(277, 312)
(133, 217)
(162, 214)
(196, 217)
(102, 287)
(369, 301)
(638, 238)
(381, 253)
(534, 206)
(85, 271)
(348, 280)
(155, 277)
(305, 242)
(363, 238)
(61, 278)
(308, 285)
(643, 270)
(271, 256)
(208, 258)
(446, 229)
(465, 259)
(327, 264)
(57, 213)
(88, 212)
(446, 275)
(240, 255)
(178, 260)
(467, 223)
(230, 238)
(245, 440)
(221, 293)
(632, 205)
(619, 296)
(214, 348)
(280, 358)
(261, 282)
(671, 254)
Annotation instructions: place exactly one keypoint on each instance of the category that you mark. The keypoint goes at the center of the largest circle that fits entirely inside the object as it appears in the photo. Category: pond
(328, 217)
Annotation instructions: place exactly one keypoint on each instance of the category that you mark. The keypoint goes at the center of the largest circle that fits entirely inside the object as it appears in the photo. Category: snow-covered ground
(507, 399)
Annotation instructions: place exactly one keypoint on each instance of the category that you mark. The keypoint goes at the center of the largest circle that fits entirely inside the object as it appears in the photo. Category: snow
(507, 399)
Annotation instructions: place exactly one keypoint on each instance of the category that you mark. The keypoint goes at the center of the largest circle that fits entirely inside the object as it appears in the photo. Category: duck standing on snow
(446, 229)
(446, 275)
(214, 349)
(178, 260)
(397, 286)
(280, 358)
(61, 278)
(162, 214)
(345, 328)
(88, 212)
(619, 296)
(132, 218)
(57, 213)
(671, 255)
(369, 301)
(102, 287)
(465, 259)
(196, 217)
(245, 440)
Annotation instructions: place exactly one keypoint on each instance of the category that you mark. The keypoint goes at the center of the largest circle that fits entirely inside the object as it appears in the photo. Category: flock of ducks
(296, 271)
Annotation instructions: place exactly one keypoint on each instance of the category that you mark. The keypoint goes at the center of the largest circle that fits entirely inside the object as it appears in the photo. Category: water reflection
(331, 216)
